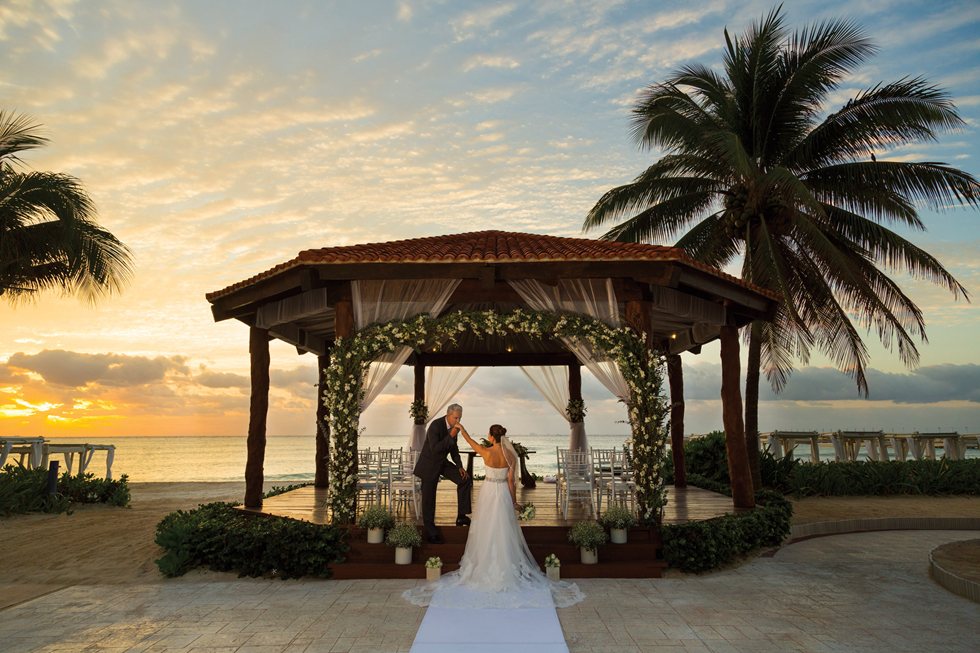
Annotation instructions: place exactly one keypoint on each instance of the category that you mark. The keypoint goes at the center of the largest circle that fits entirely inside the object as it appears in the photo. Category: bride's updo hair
(497, 432)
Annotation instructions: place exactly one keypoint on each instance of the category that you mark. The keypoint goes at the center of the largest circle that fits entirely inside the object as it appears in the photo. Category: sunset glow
(219, 139)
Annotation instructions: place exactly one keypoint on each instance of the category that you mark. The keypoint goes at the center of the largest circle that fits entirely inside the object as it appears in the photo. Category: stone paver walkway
(867, 592)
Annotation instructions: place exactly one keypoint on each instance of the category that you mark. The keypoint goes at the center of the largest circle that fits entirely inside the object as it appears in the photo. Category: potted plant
(404, 537)
(587, 536)
(552, 566)
(376, 519)
(617, 519)
(433, 568)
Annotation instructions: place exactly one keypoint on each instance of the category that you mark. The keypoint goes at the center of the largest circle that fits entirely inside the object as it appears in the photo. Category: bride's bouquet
(527, 512)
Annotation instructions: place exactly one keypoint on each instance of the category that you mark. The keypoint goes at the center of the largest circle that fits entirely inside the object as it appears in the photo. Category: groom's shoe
(463, 521)
(434, 538)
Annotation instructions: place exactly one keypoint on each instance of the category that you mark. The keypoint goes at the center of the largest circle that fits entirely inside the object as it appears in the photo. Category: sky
(220, 138)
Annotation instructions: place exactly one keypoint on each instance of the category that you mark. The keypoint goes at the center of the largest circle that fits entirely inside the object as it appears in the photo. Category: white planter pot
(403, 555)
(554, 573)
(617, 535)
(589, 556)
(376, 535)
(433, 573)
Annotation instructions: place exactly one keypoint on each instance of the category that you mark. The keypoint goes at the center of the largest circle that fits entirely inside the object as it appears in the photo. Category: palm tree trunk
(752, 365)
(675, 377)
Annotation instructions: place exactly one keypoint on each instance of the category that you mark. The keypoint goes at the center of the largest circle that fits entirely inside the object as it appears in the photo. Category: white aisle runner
(501, 630)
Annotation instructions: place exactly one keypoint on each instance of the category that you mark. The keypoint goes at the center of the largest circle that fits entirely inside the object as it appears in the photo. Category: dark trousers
(464, 491)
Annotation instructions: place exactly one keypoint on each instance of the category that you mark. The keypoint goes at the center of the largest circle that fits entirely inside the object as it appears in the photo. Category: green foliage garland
(640, 367)
(419, 411)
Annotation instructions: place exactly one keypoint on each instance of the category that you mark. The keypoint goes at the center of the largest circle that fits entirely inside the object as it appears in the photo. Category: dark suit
(432, 464)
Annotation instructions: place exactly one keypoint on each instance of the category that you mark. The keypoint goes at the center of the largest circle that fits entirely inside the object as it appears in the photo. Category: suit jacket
(437, 445)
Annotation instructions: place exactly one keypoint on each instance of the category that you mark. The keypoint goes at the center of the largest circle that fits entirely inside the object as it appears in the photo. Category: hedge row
(26, 490)
(707, 467)
(217, 536)
(703, 545)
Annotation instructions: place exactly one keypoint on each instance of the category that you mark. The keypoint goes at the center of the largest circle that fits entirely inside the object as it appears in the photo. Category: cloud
(222, 380)
(73, 369)
(489, 61)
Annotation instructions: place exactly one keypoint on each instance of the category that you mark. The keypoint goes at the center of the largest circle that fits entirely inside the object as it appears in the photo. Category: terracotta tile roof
(484, 247)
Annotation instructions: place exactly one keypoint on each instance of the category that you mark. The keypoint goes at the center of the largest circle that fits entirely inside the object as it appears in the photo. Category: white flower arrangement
(640, 367)
(527, 513)
(435, 562)
(551, 560)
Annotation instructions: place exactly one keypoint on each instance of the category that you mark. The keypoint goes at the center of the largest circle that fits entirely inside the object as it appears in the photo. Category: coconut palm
(49, 237)
(755, 167)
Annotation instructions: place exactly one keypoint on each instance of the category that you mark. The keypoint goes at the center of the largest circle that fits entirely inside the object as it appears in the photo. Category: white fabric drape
(552, 382)
(441, 385)
(381, 301)
(593, 297)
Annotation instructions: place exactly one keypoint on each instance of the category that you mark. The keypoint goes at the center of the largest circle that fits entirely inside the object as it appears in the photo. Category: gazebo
(324, 297)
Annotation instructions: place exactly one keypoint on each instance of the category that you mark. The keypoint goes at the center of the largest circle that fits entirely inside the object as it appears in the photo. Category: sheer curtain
(593, 297)
(552, 382)
(441, 385)
(384, 300)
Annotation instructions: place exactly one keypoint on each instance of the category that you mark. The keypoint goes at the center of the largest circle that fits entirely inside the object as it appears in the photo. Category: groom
(440, 439)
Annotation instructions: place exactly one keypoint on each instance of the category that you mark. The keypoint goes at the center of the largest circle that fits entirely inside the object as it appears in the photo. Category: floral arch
(641, 368)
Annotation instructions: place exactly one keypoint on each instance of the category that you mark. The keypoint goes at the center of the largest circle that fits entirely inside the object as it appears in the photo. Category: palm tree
(753, 166)
(49, 237)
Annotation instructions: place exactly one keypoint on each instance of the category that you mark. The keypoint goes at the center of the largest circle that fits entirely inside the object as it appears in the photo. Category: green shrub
(928, 477)
(217, 536)
(704, 545)
(618, 516)
(707, 456)
(376, 516)
(26, 490)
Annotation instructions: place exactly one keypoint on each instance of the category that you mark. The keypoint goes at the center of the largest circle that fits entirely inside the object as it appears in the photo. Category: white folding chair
(405, 489)
(623, 485)
(603, 475)
(368, 488)
(576, 467)
(389, 460)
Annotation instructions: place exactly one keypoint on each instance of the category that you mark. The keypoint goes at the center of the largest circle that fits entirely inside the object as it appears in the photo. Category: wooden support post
(258, 349)
(322, 463)
(743, 495)
(638, 317)
(575, 381)
(419, 382)
(675, 376)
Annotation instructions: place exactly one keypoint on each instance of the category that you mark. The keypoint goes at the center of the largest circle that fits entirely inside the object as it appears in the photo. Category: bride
(497, 569)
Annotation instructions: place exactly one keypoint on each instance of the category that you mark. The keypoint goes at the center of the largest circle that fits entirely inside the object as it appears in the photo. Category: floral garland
(575, 411)
(350, 357)
(419, 411)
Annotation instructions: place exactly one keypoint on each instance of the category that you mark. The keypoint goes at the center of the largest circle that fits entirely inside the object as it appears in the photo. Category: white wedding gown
(497, 569)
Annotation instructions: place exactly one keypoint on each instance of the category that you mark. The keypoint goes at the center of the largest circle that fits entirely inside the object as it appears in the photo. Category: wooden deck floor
(687, 504)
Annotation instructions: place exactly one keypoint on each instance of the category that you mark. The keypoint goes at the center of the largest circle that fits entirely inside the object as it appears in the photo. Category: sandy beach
(41, 553)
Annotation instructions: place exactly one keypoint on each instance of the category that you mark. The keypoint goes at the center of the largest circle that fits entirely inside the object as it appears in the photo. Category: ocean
(289, 458)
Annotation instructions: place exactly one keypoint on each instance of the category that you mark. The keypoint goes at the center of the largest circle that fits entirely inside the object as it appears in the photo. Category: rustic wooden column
(743, 495)
(638, 317)
(675, 376)
(322, 465)
(419, 382)
(575, 381)
(258, 349)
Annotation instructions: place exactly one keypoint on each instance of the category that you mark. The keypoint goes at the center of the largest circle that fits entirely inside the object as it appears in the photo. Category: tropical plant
(587, 535)
(404, 535)
(756, 166)
(618, 516)
(376, 517)
(49, 237)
